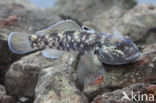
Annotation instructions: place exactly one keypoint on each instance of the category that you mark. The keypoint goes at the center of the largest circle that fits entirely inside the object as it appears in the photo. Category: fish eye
(118, 43)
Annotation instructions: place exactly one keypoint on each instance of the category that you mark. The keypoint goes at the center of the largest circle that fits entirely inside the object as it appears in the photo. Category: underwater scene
(77, 51)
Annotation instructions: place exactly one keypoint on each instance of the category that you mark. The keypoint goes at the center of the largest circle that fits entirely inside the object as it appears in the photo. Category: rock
(26, 20)
(138, 22)
(2, 90)
(21, 78)
(55, 84)
(6, 98)
(140, 93)
(26, 3)
(25, 100)
(143, 70)
(87, 10)
(108, 21)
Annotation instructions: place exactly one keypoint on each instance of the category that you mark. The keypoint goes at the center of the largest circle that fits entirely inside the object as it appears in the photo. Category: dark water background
(50, 3)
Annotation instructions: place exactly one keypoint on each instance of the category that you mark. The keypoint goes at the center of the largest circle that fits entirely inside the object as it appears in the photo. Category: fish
(93, 46)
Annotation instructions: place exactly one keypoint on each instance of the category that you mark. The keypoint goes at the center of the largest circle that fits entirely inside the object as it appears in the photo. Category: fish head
(118, 49)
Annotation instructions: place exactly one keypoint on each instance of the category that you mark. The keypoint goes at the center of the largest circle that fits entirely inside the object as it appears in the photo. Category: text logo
(137, 97)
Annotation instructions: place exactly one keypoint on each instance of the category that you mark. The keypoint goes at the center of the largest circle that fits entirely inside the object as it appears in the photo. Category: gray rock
(4, 98)
(109, 20)
(87, 10)
(24, 100)
(138, 90)
(138, 23)
(55, 84)
(21, 78)
(143, 70)
(7, 99)
(25, 3)
(2, 90)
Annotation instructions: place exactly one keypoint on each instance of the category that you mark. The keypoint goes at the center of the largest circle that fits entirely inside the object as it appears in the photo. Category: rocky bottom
(33, 78)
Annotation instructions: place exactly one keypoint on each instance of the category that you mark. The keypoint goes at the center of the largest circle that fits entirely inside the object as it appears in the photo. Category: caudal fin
(19, 43)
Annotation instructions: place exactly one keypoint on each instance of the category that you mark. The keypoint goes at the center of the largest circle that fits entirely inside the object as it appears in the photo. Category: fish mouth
(133, 55)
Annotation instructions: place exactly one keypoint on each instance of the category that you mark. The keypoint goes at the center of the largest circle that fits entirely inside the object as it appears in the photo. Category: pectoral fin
(52, 53)
(90, 69)
(65, 25)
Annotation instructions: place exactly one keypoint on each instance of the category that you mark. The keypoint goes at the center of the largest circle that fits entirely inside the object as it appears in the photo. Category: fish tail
(19, 43)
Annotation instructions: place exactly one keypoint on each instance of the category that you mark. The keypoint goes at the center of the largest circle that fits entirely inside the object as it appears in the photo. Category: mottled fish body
(67, 41)
(94, 47)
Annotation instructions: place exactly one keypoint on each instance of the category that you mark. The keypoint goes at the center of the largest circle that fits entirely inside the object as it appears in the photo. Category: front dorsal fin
(62, 26)
(89, 69)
